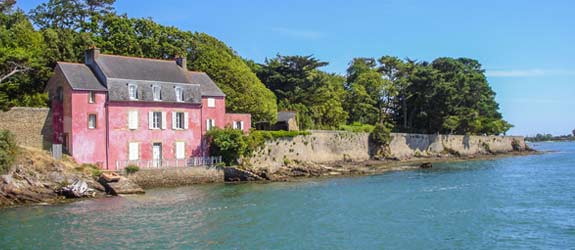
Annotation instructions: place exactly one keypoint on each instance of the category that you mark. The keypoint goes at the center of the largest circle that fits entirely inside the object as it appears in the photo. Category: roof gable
(80, 77)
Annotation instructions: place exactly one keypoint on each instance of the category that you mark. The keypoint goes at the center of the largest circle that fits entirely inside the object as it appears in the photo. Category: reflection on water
(510, 203)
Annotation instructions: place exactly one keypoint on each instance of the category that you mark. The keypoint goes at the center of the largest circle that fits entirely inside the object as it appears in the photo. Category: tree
(370, 95)
(300, 86)
(244, 91)
(573, 132)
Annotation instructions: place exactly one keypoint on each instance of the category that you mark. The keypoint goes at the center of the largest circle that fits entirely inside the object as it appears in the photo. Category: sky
(526, 47)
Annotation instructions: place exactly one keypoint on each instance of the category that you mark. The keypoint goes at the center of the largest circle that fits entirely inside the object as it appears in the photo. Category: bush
(8, 150)
(228, 143)
(380, 138)
(132, 169)
(232, 144)
(357, 127)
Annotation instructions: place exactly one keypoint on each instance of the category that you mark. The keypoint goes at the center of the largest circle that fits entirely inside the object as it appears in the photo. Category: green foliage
(380, 138)
(357, 127)
(8, 150)
(132, 169)
(228, 143)
(300, 86)
(232, 144)
(516, 145)
(245, 93)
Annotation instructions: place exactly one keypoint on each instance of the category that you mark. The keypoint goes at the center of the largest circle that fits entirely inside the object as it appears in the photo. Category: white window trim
(161, 120)
(135, 96)
(211, 102)
(91, 97)
(183, 122)
(179, 94)
(95, 121)
(157, 96)
(210, 124)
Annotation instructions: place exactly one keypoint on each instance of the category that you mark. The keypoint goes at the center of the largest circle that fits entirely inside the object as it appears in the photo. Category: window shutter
(186, 123)
(150, 120)
(242, 125)
(133, 119)
(207, 124)
(180, 150)
(164, 120)
(133, 153)
(174, 120)
(136, 119)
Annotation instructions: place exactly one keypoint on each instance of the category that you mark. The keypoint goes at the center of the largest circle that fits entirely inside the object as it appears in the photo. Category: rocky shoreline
(36, 177)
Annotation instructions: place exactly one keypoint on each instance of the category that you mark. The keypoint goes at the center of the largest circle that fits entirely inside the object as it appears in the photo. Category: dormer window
(179, 94)
(157, 92)
(133, 91)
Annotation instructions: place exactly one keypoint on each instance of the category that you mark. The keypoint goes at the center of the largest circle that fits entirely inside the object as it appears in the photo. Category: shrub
(380, 138)
(357, 127)
(228, 143)
(516, 145)
(232, 144)
(132, 169)
(8, 150)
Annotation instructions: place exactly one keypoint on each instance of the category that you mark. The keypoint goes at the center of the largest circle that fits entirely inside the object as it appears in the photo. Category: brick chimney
(91, 54)
(181, 61)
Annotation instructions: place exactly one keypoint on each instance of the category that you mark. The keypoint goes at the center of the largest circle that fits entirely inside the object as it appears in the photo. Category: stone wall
(32, 126)
(169, 177)
(331, 146)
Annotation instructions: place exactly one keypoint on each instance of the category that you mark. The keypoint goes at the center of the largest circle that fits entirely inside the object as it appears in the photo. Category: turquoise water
(511, 203)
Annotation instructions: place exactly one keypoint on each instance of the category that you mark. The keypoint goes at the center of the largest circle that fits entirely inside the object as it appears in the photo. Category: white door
(157, 154)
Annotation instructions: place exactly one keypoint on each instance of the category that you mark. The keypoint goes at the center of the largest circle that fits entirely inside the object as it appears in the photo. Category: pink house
(114, 111)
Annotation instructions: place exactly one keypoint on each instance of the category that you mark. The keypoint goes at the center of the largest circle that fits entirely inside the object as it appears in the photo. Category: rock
(123, 186)
(77, 189)
(426, 165)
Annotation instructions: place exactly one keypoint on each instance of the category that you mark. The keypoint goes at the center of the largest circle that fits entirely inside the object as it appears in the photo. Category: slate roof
(207, 86)
(284, 116)
(80, 77)
(141, 69)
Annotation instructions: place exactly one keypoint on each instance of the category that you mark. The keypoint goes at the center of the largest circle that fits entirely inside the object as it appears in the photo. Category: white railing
(173, 163)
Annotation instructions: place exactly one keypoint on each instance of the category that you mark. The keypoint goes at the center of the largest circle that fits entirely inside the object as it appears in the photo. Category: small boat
(111, 176)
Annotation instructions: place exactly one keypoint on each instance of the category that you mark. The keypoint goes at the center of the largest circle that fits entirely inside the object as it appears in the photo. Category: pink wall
(217, 113)
(120, 136)
(246, 118)
(88, 145)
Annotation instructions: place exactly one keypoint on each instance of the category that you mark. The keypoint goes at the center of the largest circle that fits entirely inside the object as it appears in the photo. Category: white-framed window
(179, 120)
(91, 121)
(211, 103)
(133, 151)
(133, 119)
(180, 150)
(210, 124)
(91, 97)
(157, 92)
(133, 91)
(179, 94)
(238, 125)
(157, 120)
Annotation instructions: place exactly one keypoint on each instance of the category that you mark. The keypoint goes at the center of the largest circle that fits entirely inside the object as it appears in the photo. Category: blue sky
(527, 47)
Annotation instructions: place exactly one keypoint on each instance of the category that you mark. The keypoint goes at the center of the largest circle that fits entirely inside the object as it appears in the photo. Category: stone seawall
(333, 146)
(32, 126)
(170, 177)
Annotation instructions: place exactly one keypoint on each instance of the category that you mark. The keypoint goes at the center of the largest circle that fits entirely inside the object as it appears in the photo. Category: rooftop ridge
(141, 58)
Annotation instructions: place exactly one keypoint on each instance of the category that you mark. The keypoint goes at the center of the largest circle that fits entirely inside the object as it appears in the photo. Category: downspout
(202, 153)
(106, 105)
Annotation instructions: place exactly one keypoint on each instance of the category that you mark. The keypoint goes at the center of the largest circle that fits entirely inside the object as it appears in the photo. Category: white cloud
(297, 33)
(529, 73)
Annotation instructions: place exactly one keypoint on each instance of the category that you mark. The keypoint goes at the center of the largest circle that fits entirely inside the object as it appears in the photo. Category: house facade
(114, 111)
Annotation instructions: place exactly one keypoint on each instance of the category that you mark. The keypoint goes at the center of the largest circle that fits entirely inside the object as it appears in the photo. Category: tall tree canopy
(300, 86)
